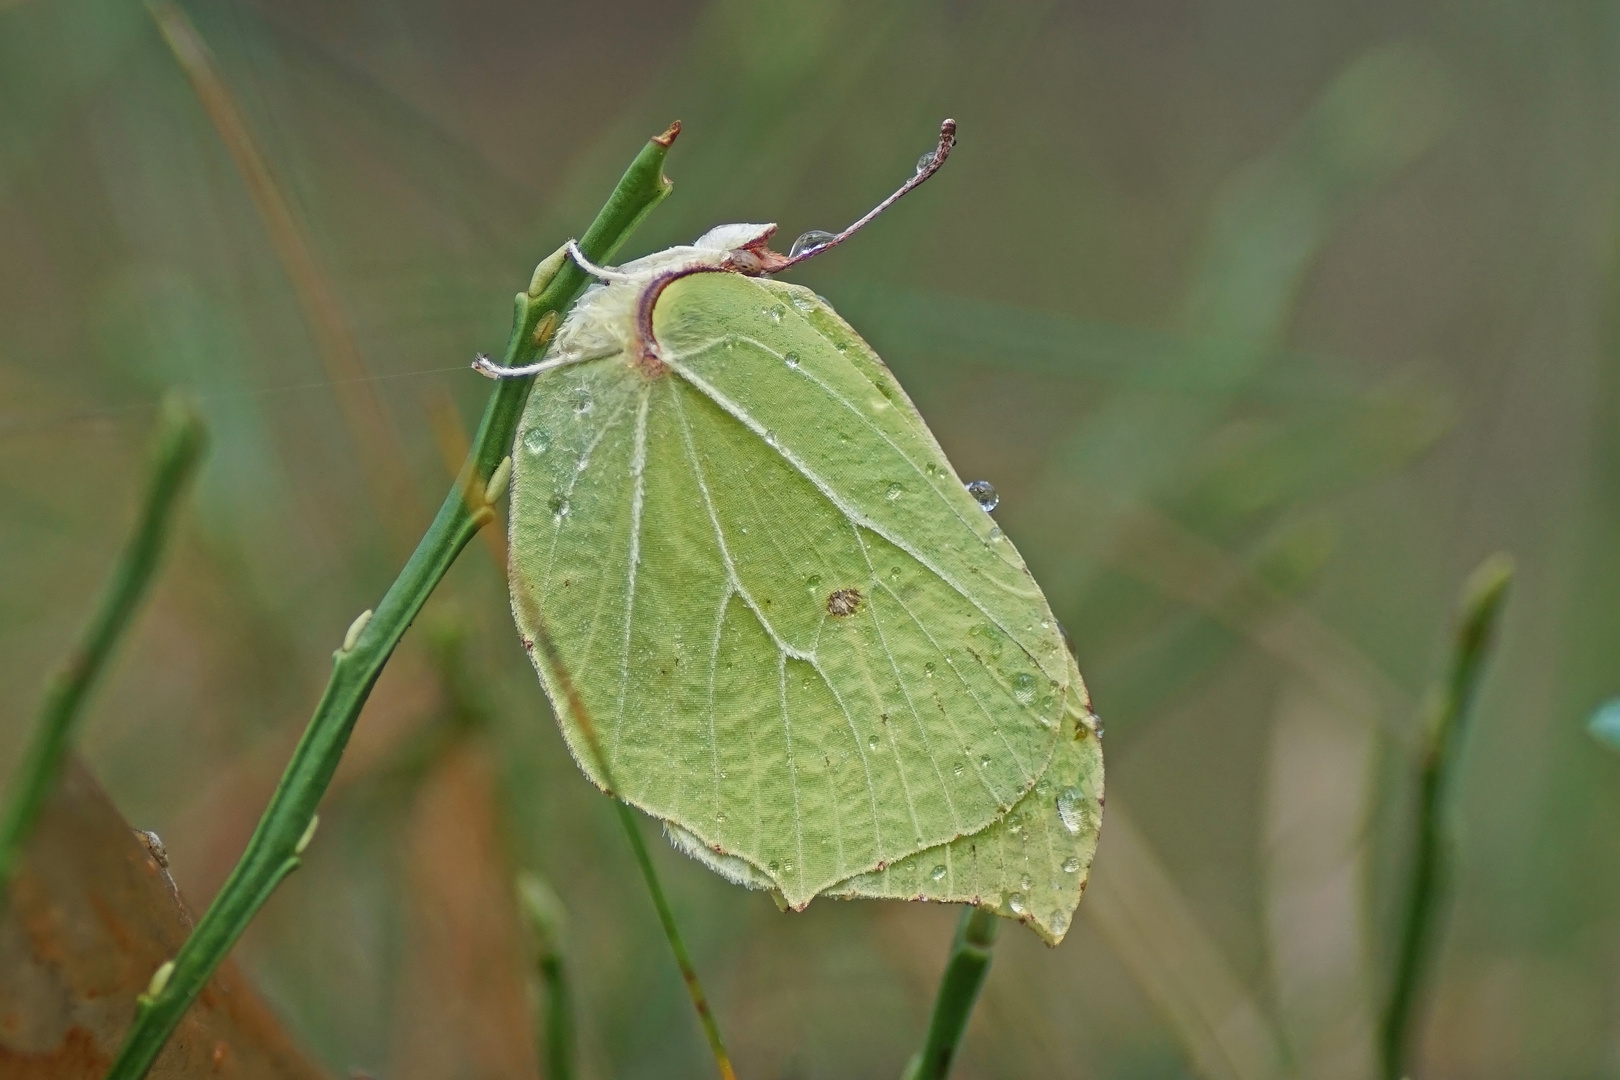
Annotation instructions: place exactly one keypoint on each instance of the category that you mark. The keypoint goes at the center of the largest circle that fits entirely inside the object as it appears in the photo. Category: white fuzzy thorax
(603, 322)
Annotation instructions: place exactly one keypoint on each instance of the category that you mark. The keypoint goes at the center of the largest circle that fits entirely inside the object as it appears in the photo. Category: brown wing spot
(844, 602)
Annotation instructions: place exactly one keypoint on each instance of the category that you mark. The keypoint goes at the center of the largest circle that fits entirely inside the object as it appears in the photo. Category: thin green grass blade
(181, 440)
(1451, 704)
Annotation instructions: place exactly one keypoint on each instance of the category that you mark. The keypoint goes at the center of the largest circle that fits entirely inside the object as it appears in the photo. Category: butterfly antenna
(815, 242)
(601, 273)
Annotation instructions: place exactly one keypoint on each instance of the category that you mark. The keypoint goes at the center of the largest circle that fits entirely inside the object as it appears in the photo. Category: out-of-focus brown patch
(463, 1007)
(91, 917)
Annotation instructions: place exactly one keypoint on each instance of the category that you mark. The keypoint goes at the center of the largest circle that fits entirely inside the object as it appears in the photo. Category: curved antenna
(927, 166)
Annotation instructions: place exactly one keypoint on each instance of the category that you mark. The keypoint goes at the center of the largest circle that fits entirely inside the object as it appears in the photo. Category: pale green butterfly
(774, 617)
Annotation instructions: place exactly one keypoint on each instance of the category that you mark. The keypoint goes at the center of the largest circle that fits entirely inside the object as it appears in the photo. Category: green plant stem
(1447, 721)
(958, 990)
(181, 440)
(273, 852)
(547, 918)
(683, 960)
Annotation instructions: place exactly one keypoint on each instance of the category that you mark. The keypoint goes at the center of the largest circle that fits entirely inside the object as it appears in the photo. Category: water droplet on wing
(984, 493)
(1024, 687)
(1071, 808)
(810, 241)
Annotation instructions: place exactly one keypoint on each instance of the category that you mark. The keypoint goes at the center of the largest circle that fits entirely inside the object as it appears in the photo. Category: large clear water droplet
(536, 441)
(938, 873)
(1071, 808)
(984, 493)
(925, 162)
(1071, 865)
(791, 359)
(1059, 922)
(1017, 903)
(810, 241)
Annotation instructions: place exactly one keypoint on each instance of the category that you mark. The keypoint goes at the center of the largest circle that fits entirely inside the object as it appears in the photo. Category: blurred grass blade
(382, 455)
(1380, 114)
(181, 440)
(547, 920)
(273, 852)
(958, 990)
(1449, 709)
(1136, 907)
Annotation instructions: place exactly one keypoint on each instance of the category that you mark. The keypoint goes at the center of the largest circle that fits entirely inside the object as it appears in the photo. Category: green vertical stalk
(683, 959)
(958, 990)
(1449, 707)
(546, 918)
(273, 852)
(181, 440)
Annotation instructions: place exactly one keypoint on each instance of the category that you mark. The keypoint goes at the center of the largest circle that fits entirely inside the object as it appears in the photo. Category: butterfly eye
(745, 261)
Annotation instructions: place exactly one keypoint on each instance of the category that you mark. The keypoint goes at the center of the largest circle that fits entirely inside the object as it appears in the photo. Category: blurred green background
(1268, 319)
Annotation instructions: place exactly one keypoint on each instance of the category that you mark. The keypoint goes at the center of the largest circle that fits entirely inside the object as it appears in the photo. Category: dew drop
(559, 507)
(984, 493)
(984, 762)
(770, 437)
(810, 241)
(958, 769)
(1094, 722)
(536, 441)
(791, 359)
(996, 534)
(787, 868)
(938, 872)
(1071, 810)
(1024, 687)
(583, 402)
(1071, 865)
(1026, 882)
(926, 162)
(774, 312)
(1017, 904)
(773, 866)
(813, 581)
(1058, 921)
(894, 492)
(871, 742)
(894, 573)
(928, 669)
(805, 304)
(720, 819)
